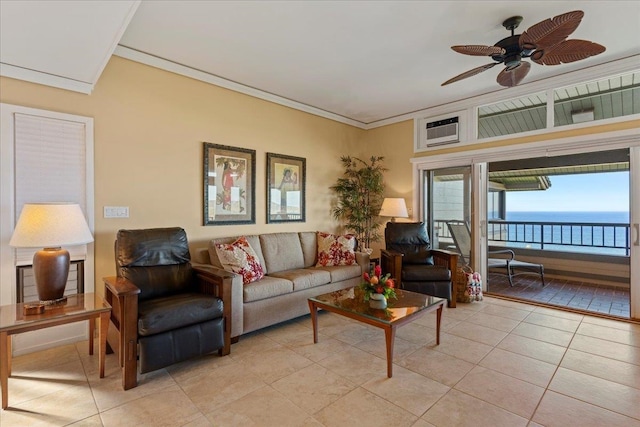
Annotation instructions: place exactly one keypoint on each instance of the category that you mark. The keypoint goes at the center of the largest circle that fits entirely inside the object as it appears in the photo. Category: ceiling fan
(545, 43)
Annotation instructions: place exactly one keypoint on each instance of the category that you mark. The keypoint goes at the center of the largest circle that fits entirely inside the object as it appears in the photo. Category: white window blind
(50, 166)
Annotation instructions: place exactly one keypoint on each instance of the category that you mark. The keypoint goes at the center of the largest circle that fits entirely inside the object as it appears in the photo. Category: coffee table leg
(314, 321)
(4, 368)
(390, 337)
(438, 319)
(102, 340)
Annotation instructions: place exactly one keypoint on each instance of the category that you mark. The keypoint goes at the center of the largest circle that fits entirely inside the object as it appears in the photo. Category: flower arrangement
(376, 283)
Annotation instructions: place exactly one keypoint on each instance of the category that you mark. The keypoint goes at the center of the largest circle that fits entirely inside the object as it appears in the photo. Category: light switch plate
(116, 211)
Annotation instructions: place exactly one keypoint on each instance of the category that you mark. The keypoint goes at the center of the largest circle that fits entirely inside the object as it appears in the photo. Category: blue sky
(583, 192)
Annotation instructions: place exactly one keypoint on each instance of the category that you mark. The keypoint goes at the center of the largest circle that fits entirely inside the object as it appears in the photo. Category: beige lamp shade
(394, 207)
(45, 225)
(50, 226)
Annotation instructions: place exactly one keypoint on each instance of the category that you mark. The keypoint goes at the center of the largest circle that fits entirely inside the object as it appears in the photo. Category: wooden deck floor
(574, 294)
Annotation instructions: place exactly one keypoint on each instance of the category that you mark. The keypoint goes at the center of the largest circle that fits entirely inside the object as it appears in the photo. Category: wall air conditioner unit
(438, 132)
(442, 132)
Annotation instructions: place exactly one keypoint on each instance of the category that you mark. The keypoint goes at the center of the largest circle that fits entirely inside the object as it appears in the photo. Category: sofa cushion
(282, 251)
(254, 242)
(177, 311)
(267, 287)
(342, 272)
(305, 278)
(336, 250)
(309, 243)
(239, 257)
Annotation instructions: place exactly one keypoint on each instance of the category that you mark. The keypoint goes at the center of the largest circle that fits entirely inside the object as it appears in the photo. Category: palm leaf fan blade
(567, 51)
(552, 31)
(510, 77)
(470, 73)
(478, 50)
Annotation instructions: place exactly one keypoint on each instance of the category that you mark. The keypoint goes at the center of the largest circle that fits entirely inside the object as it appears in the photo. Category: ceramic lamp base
(51, 270)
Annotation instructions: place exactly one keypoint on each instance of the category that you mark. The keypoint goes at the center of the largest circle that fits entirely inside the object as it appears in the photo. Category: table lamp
(394, 207)
(50, 226)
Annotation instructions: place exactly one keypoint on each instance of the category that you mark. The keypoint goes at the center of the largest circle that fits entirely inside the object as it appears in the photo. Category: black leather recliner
(170, 309)
(414, 265)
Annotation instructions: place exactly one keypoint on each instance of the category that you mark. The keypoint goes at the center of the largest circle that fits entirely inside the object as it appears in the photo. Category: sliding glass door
(492, 197)
(447, 198)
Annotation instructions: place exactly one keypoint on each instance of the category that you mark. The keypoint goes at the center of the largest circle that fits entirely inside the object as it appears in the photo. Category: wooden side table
(76, 309)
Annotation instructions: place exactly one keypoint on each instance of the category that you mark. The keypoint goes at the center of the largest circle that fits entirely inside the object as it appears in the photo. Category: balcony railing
(603, 238)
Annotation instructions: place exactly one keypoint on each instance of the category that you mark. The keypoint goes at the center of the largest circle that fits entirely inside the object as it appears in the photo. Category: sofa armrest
(391, 262)
(122, 335)
(362, 258)
(231, 283)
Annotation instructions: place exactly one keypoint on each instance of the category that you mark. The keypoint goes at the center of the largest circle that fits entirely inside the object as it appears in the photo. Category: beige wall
(149, 129)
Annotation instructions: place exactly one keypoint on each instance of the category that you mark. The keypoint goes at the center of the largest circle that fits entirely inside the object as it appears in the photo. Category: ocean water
(616, 217)
(602, 239)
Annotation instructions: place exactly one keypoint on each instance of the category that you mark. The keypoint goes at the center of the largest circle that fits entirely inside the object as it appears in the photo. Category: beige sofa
(291, 277)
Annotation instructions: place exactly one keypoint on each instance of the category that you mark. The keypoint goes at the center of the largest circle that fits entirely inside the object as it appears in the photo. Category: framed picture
(229, 185)
(286, 177)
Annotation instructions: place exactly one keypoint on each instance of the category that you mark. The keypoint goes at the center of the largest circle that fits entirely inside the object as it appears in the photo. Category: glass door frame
(478, 159)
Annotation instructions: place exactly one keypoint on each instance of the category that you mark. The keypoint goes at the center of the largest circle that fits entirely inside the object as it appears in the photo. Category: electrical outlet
(116, 211)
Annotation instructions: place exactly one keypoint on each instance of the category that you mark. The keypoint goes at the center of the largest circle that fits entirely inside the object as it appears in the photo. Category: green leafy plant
(360, 195)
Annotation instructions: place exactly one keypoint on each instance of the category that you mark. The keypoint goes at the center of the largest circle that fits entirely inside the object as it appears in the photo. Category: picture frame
(229, 185)
(286, 193)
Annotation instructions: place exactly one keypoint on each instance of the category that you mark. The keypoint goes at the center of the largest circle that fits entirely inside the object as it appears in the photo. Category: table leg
(390, 337)
(9, 353)
(438, 321)
(4, 368)
(92, 330)
(314, 321)
(102, 340)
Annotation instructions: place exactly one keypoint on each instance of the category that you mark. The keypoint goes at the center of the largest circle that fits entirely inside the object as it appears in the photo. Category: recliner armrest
(391, 262)
(225, 281)
(446, 259)
(449, 260)
(212, 281)
(119, 286)
(122, 334)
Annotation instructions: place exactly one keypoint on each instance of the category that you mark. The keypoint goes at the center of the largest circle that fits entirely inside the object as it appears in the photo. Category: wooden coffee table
(405, 309)
(77, 308)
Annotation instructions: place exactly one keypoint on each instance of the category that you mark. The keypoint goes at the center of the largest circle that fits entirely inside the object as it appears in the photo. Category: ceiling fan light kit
(545, 43)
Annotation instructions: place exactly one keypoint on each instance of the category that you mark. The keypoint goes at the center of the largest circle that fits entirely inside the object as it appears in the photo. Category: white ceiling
(364, 61)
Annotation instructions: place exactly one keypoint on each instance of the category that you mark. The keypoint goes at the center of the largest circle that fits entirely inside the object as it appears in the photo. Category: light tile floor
(500, 363)
(579, 295)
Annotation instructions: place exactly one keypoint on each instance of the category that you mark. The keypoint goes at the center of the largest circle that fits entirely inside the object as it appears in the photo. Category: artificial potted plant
(360, 194)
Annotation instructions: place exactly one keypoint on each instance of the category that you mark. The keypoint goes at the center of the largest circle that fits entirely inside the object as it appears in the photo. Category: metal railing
(608, 238)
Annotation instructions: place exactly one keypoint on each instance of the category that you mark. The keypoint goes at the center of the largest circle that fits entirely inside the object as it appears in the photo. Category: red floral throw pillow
(239, 257)
(336, 250)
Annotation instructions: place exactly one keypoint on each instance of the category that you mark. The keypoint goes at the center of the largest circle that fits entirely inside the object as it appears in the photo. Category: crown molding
(19, 73)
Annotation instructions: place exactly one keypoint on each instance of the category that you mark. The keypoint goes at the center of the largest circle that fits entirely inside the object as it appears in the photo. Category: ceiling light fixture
(581, 116)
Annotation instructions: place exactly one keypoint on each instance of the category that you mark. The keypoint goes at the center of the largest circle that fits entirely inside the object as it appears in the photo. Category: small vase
(377, 301)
